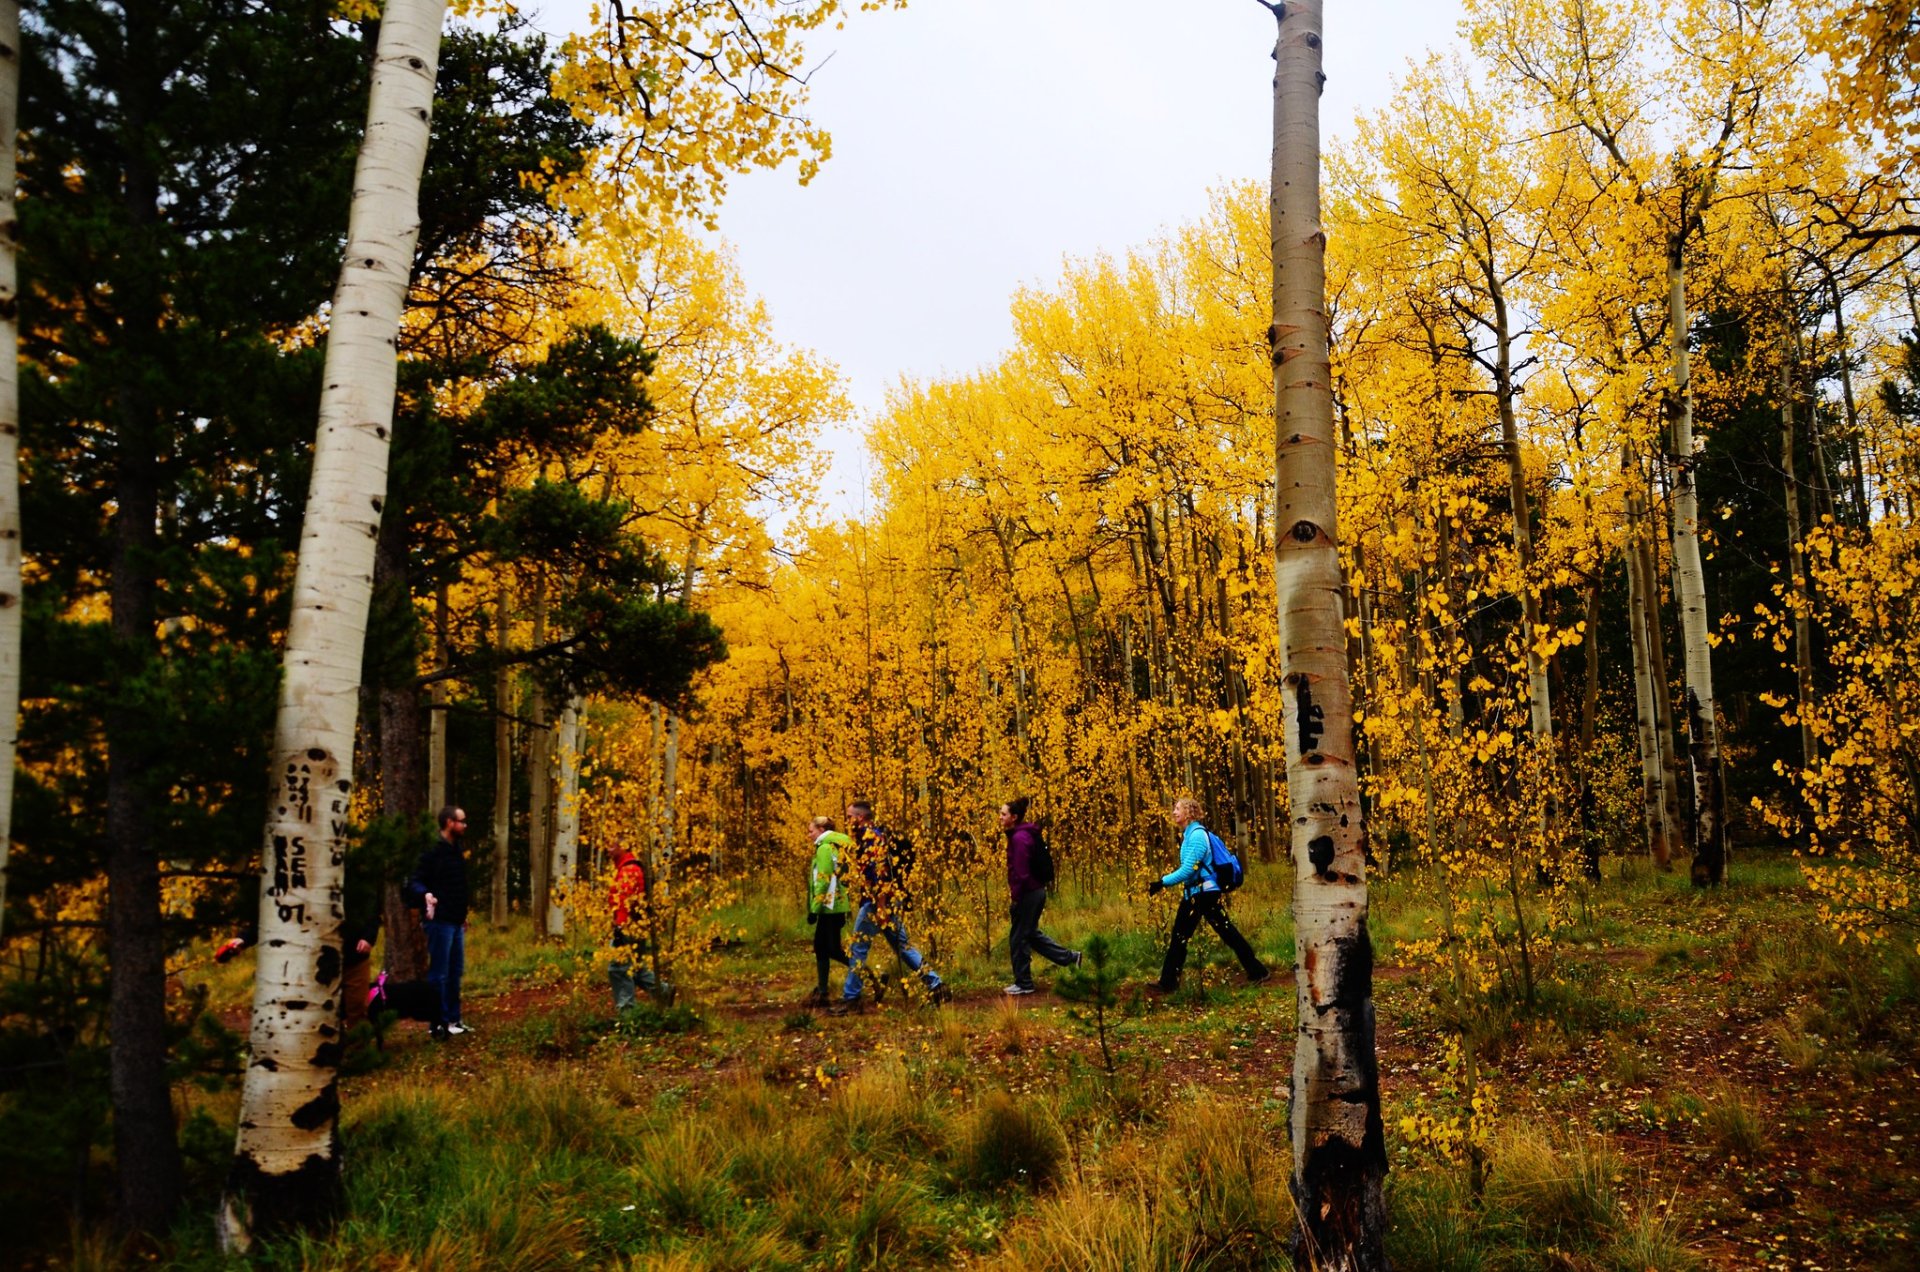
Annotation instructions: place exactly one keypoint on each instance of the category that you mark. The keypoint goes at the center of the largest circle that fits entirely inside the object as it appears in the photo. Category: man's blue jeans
(865, 927)
(446, 964)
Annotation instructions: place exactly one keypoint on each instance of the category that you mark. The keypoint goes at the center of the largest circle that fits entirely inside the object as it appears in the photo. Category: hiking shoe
(1014, 989)
(1079, 957)
(847, 1007)
(1158, 990)
(1266, 974)
(941, 995)
(439, 1033)
(456, 1028)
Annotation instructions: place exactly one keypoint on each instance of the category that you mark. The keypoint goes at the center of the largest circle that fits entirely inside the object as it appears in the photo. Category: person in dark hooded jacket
(1029, 893)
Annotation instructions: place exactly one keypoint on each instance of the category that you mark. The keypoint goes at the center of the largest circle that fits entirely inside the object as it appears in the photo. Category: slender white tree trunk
(10, 583)
(1690, 591)
(566, 814)
(1796, 562)
(1339, 1145)
(1646, 719)
(287, 1157)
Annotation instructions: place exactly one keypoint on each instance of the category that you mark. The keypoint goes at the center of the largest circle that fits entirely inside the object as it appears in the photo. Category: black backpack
(1040, 863)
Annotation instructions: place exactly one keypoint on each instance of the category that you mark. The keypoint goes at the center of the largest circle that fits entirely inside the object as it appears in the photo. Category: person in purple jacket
(1029, 898)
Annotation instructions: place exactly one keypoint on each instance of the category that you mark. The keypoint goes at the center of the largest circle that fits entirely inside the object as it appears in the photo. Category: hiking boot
(1265, 974)
(1159, 990)
(1079, 957)
(1012, 990)
(439, 1033)
(456, 1028)
(847, 1007)
(941, 995)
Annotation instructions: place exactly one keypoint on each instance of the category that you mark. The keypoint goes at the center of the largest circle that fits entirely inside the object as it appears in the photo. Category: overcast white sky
(978, 144)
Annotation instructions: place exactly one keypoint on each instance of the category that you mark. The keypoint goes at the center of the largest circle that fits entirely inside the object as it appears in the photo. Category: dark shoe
(880, 988)
(847, 1007)
(440, 1033)
(1262, 977)
(1079, 957)
(1160, 991)
(819, 997)
(941, 995)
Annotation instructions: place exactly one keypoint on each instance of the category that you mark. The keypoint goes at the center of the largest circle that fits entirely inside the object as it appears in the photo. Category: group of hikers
(866, 858)
(883, 865)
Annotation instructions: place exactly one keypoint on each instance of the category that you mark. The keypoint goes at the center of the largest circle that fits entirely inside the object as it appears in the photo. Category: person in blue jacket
(1200, 898)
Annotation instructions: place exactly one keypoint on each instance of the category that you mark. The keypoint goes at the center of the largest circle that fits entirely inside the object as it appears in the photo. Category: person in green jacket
(827, 901)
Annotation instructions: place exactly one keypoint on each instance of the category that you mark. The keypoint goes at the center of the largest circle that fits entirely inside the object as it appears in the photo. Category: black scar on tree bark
(1339, 1187)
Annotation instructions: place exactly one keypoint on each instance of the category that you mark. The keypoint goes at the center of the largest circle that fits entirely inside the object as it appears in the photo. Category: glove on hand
(1155, 888)
(812, 918)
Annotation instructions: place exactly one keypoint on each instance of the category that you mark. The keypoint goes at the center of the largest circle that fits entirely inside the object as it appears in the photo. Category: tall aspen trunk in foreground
(566, 815)
(1690, 592)
(10, 585)
(1339, 1145)
(286, 1168)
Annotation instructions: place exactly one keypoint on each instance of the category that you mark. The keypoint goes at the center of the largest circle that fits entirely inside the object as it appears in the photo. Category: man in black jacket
(440, 882)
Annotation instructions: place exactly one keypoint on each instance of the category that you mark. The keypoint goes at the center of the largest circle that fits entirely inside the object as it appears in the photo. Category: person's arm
(1193, 851)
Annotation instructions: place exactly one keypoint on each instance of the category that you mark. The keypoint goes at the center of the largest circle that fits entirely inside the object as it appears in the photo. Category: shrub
(1732, 1124)
(1557, 1186)
(1008, 1142)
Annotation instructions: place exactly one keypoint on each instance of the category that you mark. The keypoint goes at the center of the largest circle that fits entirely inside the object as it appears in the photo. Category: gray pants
(1027, 937)
(627, 971)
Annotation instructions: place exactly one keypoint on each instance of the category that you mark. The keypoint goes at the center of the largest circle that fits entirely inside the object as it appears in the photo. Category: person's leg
(620, 978)
(456, 970)
(864, 930)
(439, 950)
(826, 949)
(354, 983)
(835, 926)
(1222, 922)
(1044, 945)
(1025, 917)
(1184, 921)
(903, 950)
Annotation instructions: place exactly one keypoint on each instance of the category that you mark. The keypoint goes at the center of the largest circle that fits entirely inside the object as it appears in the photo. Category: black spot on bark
(296, 1004)
(1304, 531)
(1311, 715)
(315, 753)
(1320, 853)
(308, 1197)
(321, 1110)
(329, 968)
(326, 1056)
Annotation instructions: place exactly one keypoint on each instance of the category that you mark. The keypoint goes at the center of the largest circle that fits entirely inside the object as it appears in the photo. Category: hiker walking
(630, 970)
(1029, 875)
(1200, 898)
(828, 902)
(884, 869)
(440, 884)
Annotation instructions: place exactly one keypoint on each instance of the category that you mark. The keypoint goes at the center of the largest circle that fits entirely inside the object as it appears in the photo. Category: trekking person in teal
(829, 900)
(886, 869)
(1200, 898)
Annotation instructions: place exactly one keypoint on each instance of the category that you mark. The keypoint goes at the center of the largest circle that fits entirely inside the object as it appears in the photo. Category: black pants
(826, 943)
(1208, 906)
(1026, 937)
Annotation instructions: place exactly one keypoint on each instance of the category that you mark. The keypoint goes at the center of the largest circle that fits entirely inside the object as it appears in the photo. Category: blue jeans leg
(864, 930)
(896, 933)
(446, 963)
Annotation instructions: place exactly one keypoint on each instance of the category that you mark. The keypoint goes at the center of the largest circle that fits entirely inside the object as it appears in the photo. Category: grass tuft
(1007, 1142)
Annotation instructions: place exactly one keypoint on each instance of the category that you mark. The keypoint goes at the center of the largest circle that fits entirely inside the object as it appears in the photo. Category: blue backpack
(1225, 868)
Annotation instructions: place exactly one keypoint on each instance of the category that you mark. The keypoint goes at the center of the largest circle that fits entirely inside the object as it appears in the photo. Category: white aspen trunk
(1690, 592)
(10, 581)
(1540, 704)
(1339, 1144)
(286, 1168)
(670, 788)
(437, 697)
(566, 817)
(1652, 775)
(502, 763)
(1796, 564)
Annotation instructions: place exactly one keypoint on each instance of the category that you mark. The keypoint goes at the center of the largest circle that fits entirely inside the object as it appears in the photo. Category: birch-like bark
(1339, 1144)
(502, 762)
(10, 583)
(1652, 776)
(566, 817)
(286, 1167)
(1690, 591)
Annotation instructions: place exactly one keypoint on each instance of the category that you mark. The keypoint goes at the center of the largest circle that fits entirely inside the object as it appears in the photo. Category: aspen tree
(502, 760)
(1339, 1144)
(566, 818)
(286, 1167)
(10, 582)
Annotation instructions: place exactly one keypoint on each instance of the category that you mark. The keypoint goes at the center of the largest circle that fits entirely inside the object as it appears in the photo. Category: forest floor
(1703, 1080)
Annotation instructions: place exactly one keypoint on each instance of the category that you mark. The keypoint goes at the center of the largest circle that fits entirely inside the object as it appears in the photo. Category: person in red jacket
(626, 903)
